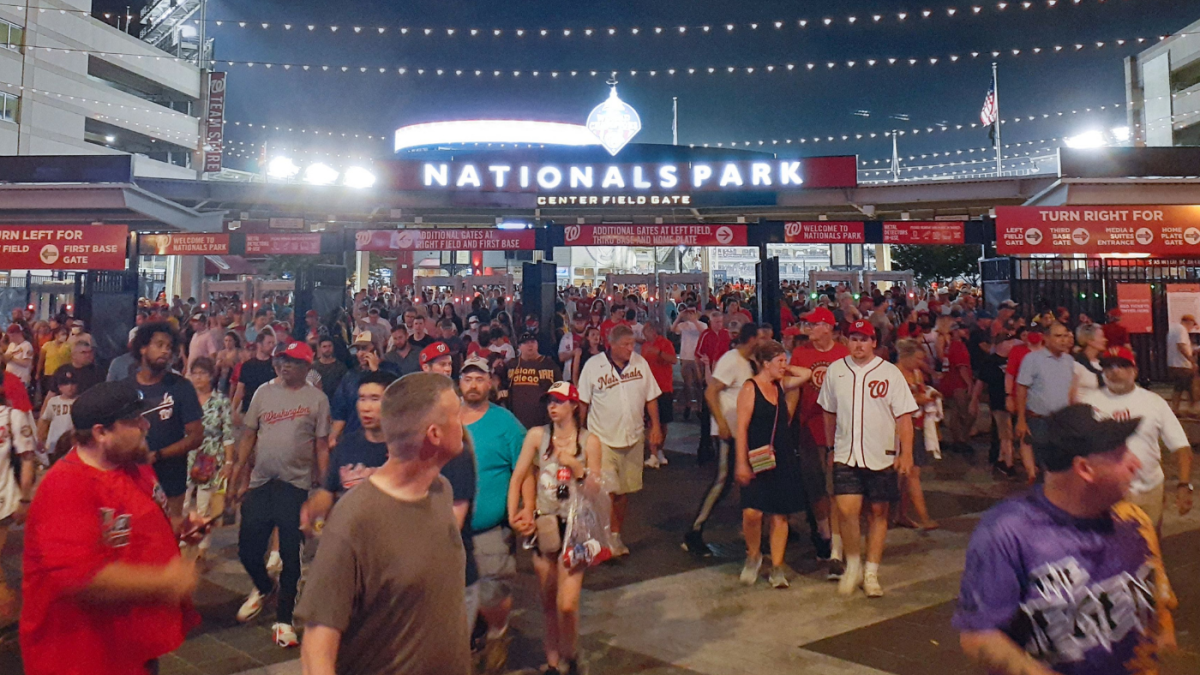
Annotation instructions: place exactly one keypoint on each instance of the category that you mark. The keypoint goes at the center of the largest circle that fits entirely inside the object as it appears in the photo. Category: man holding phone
(105, 591)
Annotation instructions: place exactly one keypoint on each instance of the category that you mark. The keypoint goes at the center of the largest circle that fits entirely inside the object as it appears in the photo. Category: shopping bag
(587, 541)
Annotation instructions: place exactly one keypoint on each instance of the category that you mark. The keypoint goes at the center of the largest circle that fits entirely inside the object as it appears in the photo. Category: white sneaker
(749, 573)
(251, 607)
(285, 635)
(662, 459)
(652, 462)
(871, 585)
(852, 578)
(274, 563)
(618, 547)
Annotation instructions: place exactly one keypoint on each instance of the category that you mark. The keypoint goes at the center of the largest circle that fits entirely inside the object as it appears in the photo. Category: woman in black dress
(762, 419)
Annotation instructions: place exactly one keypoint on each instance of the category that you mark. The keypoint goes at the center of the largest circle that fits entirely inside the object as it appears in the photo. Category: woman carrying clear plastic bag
(556, 460)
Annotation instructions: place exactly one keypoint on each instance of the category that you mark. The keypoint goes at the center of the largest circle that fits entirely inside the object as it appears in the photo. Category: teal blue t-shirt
(497, 437)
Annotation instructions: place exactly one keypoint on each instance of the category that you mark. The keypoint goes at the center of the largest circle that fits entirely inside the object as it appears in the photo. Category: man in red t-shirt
(712, 344)
(821, 351)
(956, 384)
(106, 590)
(1116, 334)
(659, 352)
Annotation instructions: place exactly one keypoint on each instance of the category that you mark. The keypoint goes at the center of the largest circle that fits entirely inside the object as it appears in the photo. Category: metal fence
(1089, 286)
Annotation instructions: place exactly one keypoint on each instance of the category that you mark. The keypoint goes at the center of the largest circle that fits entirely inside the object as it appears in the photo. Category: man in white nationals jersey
(867, 405)
(1121, 399)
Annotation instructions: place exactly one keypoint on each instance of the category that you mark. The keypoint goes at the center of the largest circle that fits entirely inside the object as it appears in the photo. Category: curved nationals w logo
(879, 388)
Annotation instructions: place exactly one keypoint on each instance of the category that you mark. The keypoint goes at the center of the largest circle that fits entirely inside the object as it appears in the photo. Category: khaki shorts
(622, 467)
(1151, 502)
(496, 563)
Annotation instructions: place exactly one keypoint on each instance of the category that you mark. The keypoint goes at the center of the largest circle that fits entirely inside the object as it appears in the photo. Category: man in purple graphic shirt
(1068, 578)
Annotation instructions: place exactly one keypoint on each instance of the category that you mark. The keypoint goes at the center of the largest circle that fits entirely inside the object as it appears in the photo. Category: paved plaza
(660, 611)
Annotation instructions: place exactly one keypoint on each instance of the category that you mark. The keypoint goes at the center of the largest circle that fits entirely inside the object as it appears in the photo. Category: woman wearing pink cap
(554, 460)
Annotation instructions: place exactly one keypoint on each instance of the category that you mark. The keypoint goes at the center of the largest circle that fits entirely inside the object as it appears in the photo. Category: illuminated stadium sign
(766, 175)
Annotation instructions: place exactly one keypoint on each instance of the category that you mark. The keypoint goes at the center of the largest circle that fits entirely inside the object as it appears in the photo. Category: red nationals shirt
(82, 520)
(811, 415)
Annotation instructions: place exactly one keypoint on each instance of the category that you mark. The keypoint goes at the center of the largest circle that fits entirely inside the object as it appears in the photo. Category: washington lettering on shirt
(277, 416)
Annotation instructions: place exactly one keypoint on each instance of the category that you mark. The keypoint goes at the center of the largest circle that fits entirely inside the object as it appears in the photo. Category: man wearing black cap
(529, 377)
(105, 588)
(1068, 578)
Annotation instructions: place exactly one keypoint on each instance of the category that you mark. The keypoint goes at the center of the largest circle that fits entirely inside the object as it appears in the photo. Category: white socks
(872, 568)
(835, 547)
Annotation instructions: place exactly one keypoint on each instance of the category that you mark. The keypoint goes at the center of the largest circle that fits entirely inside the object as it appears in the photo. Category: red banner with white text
(283, 244)
(474, 239)
(825, 232)
(923, 232)
(183, 244)
(63, 247)
(655, 235)
(1093, 230)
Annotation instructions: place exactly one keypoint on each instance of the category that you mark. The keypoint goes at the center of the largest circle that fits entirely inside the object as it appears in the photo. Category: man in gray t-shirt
(287, 426)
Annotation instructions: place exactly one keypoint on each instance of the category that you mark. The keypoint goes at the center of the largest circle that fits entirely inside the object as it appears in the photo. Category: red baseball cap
(791, 330)
(433, 352)
(299, 351)
(1117, 356)
(862, 328)
(563, 391)
(820, 315)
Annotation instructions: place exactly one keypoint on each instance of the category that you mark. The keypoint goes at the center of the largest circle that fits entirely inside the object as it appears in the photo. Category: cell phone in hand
(203, 526)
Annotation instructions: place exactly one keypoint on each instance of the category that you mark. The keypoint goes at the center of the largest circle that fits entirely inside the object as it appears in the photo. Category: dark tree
(937, 263)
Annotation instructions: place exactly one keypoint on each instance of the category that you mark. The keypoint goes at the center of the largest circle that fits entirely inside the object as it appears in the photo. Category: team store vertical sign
(214, 123)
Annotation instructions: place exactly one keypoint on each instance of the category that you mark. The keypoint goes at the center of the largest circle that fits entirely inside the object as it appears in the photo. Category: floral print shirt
(218, 430)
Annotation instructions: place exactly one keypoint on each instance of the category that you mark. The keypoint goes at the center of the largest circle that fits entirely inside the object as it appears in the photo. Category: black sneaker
(572, 667)
(836, 569)
(693, 542)
(824, 548)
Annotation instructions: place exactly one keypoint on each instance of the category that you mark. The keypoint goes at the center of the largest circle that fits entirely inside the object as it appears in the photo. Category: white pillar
(362, 269)
(883, 257)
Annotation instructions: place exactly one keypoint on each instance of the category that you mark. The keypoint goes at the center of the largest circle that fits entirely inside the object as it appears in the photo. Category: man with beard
(497, 437)
(287, 429)
(402, 353)
(529, 378)
(328, 367)
(175, 415)
(1122, 399)
(105, 588)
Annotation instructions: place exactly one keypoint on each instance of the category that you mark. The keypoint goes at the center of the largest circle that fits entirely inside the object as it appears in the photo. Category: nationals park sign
(639, 178)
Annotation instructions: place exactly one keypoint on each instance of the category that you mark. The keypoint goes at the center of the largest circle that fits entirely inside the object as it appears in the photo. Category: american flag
(988, 114)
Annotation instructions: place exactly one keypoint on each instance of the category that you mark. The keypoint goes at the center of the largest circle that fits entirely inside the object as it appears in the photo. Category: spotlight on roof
(320, 174)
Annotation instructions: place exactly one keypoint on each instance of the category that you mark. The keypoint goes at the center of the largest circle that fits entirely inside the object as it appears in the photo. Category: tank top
(769, 420)
(548, 502)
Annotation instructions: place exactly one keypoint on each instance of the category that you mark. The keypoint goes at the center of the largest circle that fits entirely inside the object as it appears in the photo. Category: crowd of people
(421, 440)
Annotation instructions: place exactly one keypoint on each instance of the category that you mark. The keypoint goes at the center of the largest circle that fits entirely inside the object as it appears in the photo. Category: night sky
(719, 108)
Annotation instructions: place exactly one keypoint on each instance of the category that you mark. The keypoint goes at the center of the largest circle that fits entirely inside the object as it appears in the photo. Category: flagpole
(895, 157)
(999, 145)
(675, 120)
